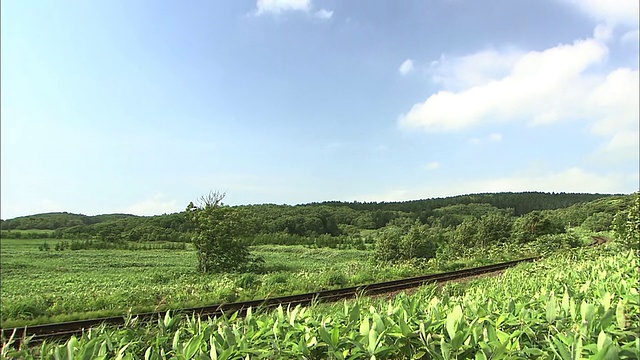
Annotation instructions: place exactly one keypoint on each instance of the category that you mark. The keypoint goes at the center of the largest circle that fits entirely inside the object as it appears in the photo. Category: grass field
(577, 304)
(52, 286)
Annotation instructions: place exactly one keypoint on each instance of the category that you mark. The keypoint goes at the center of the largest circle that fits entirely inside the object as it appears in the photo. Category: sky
(141, 107)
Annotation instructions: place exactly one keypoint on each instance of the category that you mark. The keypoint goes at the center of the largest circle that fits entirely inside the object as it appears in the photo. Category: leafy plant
(216, 236)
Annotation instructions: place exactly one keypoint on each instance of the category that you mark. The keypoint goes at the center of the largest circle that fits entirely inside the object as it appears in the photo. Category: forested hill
(521, 203)
(381, 212)
(58, 220)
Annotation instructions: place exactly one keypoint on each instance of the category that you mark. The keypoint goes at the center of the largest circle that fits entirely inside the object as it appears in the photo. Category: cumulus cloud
(631, 37)
(475, 69)
(406, 67)
(155, 205)
(278, 6)
(539, 87)
(603, 32)
(281, 6)
(323, 14)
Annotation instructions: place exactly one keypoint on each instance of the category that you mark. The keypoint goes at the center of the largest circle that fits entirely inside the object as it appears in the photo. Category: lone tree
(215, 231)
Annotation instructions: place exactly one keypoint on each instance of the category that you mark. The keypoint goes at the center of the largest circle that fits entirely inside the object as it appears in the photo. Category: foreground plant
(583, 304)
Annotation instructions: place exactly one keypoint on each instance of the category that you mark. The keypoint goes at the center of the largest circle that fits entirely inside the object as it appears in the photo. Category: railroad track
(66, 329)
(598, 240)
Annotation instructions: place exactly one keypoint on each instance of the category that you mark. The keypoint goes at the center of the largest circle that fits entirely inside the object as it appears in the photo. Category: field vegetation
(573, 305)
(58, 267)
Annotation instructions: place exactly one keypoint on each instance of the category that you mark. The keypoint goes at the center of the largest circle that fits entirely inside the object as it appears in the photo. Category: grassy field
(51, 286)
(578, 304)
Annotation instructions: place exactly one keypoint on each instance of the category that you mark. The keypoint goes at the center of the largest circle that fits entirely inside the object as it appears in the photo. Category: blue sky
(140, 107)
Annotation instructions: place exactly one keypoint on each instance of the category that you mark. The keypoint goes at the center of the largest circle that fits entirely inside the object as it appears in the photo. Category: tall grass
(581, 304)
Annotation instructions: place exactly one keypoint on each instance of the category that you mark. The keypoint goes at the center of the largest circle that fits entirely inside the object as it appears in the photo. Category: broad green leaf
(551, 310)
(480, 355)
(213, 353)
(404, 328)
(378, 323)
(562, 350)
(364, 326)
(587, 311)
(620, 318)
(354, 313)
(445, 349)
(453, 319)
(606, 300)
(503, 337)
(192, 346)
(607, 318)
(292, 316)
(335, 336)
(457, 340)
(72, 343)
(565, 301)
(603, 340)
(373, 344)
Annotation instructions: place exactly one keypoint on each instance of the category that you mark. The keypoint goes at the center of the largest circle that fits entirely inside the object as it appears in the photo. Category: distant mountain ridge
(58, 220)
(521, 203)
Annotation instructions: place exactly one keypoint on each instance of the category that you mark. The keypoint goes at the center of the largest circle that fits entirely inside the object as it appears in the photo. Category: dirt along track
(66, 329)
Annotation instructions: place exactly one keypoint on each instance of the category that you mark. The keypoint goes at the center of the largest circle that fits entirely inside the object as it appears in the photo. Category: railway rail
(66, 329)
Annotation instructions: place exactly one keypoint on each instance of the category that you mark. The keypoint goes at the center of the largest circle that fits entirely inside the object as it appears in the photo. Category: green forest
(334, 224)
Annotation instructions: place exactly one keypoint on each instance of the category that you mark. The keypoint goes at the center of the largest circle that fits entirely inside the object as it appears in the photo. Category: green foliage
(534, 224)
(626, 224)
(552, 242)
(539, 310)
(600, 221)
(467, 234)
(419, 242)
(215, 236)
(387, 246)
(495, 228)
(57, 220)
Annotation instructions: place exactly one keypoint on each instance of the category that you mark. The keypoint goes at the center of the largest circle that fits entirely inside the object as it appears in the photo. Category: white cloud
(432, 165)
(572, 179)
(155, 205)
(278, 6)
(406, 67)
(535, 86)
(475, 69)
(495, 137)
(324, 14)
(610, 11)
(539, 86)
(603, 32)
(631, 37)
(623, 146)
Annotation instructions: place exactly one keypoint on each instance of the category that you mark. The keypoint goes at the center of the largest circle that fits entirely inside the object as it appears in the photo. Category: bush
(553, 242)
(336, 278)
(215, 236)
(247, 280)
(598, 222)
(626, 224)
(420, 242)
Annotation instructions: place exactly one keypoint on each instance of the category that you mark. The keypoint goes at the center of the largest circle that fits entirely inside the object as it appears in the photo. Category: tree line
(394, 231)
